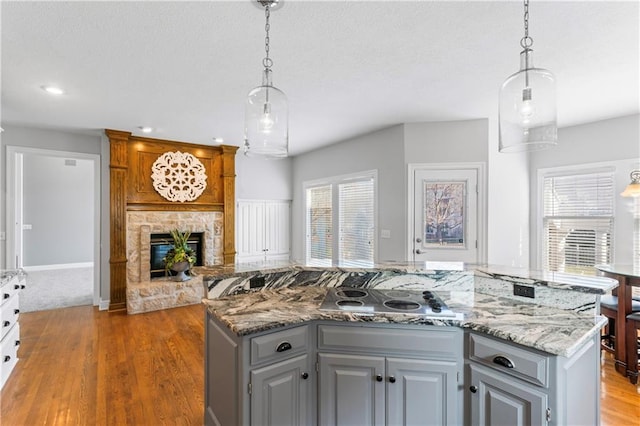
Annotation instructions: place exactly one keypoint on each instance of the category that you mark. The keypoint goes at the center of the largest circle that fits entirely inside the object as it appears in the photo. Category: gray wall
(59, 208)
(381, 151)
(258, 179)
(615, 141)
(388, 151)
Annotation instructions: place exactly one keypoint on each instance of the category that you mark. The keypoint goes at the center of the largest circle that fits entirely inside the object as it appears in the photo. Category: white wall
(614, 142)
(381, 151)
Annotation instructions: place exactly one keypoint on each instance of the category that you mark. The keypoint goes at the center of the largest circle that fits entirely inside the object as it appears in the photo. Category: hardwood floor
(80, 366)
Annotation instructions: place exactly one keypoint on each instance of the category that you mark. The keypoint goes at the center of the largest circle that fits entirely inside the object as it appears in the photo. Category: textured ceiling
(348, 68)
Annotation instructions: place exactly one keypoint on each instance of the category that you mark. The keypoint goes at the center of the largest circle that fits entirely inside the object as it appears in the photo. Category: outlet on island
(256, 282)
(524, 291)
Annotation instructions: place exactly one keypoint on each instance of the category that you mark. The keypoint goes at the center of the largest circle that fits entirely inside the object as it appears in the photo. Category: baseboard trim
(58, 266)
(104, 305)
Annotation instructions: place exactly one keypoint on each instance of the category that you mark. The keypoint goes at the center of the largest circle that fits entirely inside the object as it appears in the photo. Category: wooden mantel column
(228, 185)
(118, 167)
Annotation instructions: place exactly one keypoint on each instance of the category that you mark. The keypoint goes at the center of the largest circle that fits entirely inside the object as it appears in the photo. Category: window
(577, 221)
(345, 206)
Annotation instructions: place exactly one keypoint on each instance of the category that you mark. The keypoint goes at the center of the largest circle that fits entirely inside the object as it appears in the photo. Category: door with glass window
(445, 226)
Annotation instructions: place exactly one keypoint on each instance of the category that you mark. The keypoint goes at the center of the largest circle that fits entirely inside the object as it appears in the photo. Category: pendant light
(527, 112)
(266, 118)
(633, 189)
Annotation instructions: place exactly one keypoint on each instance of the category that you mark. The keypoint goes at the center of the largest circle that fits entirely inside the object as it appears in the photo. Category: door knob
(392, 379)
(418, 251)
(418, 240)
(473, 389)
(379, 378)
(305, 375)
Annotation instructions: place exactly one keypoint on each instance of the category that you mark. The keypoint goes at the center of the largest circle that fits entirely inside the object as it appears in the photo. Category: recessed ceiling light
(145, 129)
(53, 90)
(218, 140)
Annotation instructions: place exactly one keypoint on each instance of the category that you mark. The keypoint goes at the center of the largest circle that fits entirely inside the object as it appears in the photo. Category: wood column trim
(228, 185)
(118, 169)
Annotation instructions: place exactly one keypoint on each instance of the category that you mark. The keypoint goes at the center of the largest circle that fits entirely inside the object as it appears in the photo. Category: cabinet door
(280, 393)
(351, 390)
(276, 227)
(498, 399)
(250, 242)
(421, 392)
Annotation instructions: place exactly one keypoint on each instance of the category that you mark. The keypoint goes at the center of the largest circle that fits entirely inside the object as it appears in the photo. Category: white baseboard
(104, 305)
(59, 266)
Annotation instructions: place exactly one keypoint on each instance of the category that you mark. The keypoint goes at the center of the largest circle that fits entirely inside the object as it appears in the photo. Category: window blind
(578, 221)
(356, 205)
(319, 223)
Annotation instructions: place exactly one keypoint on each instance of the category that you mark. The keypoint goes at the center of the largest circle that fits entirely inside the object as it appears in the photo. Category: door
(351, 391)
(421, 392)
(445, 215)
(280, 393)
(498, 400)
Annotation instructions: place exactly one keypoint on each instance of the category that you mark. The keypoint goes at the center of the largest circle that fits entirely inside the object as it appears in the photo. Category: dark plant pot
(181, 268)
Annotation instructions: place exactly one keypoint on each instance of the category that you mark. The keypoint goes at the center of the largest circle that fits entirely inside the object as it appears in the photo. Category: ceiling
(347, 67)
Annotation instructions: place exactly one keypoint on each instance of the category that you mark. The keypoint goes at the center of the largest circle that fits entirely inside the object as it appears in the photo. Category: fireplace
(160, 244)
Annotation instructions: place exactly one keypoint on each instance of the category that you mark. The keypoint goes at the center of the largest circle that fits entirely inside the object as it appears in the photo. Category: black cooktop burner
(366, 301)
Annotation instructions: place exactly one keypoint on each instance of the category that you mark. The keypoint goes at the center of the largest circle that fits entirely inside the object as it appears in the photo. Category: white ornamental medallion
(178, 176)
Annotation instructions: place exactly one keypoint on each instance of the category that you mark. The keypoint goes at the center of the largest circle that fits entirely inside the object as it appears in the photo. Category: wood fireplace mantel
(131, 158)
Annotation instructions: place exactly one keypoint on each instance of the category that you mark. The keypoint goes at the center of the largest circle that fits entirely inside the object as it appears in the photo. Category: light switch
(27, 226)
(385, 233)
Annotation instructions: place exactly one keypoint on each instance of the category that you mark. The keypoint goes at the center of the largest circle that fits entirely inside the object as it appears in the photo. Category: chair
(609, 308)
(633, 344)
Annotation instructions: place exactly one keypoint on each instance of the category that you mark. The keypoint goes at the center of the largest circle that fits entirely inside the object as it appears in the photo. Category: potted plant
(180, 257)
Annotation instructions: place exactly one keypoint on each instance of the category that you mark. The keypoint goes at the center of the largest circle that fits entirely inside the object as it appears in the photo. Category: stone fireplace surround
(145, 294)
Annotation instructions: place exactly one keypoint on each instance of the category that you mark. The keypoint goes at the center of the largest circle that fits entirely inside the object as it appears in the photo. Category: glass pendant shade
(527, 108)
(266, 121)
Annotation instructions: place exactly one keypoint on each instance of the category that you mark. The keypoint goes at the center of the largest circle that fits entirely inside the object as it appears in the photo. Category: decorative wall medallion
(178, 176)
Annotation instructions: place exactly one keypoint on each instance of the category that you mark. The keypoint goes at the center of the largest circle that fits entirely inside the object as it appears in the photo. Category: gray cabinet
(10, 286)
(262, 379)
(508, 384)
(280, 392)
(359, 385)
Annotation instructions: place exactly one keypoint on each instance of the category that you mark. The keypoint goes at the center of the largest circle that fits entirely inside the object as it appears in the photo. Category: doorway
(53, 226)
(447, 213)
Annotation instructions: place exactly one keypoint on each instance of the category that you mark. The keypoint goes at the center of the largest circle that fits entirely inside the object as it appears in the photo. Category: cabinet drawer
(509, 359)
(279, 345)
(9, 352)
(8, 290)
(9, 314)
(439, 343)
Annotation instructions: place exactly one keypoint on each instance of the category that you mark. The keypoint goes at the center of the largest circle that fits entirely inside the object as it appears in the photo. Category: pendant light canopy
(266, 117)
(633, 189)
(527, 111)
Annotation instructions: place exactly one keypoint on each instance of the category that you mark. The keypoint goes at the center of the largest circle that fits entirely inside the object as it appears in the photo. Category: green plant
(180, 252)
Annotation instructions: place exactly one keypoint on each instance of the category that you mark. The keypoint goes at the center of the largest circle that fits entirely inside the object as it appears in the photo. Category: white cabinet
(11, 282)
(361, 384)
(262, 230)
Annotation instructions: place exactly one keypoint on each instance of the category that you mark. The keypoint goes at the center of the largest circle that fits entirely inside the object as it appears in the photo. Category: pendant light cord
(526, 42)
(267, 62)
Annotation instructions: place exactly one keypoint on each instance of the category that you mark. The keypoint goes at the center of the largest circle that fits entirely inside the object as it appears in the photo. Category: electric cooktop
(365, 301)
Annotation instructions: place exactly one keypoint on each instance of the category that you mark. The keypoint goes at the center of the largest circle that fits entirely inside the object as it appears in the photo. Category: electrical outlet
(524, 291)
(256, 282)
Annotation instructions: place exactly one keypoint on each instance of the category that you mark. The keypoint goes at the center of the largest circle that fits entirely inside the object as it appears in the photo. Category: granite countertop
(552, 330)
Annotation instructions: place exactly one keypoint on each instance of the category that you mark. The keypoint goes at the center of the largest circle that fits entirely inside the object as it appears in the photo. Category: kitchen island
(503, 356)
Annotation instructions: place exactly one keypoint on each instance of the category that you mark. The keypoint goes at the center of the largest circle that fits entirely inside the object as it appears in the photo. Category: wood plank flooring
(80, 366)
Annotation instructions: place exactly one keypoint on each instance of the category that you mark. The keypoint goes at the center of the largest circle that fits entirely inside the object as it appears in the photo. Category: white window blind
(578, 221)
(356, 220)
(319, 225)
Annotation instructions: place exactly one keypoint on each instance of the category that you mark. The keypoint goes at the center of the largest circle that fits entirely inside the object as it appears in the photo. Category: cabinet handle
(16, 287)
(304, 375)
(503, 361)
(392, 379)
(6, 324)
(6, 296)
(7, 358)
(16, 311)
(473, 389)
(17, 342)
(22, 287)
(379, 378)
(284, 346)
